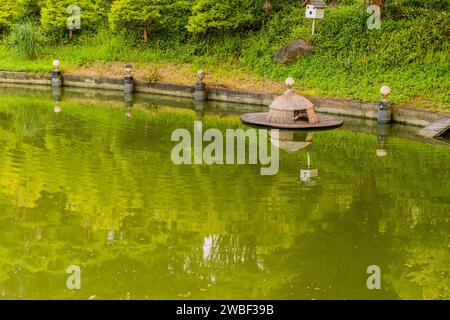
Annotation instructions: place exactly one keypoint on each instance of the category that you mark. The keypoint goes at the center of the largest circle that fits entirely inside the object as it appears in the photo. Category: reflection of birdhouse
(285, 140)
(308, 174)
(315, 10)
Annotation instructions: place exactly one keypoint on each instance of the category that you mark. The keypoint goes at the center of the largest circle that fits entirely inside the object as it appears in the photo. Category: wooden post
(146, 34)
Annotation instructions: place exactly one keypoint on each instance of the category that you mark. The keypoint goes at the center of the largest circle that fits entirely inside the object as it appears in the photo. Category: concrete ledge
(25, 78)
(238, 96)
(335, 106)
(416, 117)
(165, 89)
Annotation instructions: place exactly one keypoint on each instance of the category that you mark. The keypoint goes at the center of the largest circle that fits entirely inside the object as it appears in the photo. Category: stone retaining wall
(325, 105)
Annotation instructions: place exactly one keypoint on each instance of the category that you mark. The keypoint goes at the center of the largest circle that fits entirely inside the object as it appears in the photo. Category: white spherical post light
(56, 64)
(384, 109)
(57, 79)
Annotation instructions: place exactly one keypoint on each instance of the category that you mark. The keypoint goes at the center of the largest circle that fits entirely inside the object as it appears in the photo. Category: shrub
(24, 39)
(224, 16)
(153, 75)
(142, 14)
(54, 15)
(5, 15)
(26, 10)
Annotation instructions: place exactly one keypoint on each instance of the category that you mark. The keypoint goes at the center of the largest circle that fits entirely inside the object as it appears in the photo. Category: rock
(293, 51)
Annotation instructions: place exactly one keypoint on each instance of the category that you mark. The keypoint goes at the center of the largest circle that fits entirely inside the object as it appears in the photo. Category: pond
(93, 185)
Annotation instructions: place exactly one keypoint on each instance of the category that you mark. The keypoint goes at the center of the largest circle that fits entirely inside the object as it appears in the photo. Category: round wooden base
(259, 119)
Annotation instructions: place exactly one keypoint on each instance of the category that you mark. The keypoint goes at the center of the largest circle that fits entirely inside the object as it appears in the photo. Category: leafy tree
(26, 10)
(142, 14)
(177, 13)
(232, 15)
(15, 11)
(55, 15)
(5, 15)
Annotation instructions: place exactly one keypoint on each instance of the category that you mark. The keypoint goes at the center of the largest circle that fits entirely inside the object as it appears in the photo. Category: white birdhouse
(315, 10)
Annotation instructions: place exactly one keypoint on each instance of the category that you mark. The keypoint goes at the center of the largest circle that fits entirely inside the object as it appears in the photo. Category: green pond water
(94, 186)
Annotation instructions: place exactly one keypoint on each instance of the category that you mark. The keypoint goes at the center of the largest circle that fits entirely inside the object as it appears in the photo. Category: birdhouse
(315, 10)
(291, 107)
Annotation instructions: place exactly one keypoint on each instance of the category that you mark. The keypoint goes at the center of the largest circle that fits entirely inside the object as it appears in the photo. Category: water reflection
(200, 107)
(114, 235)
(284, 139)
(128, 99)
(57, 94)
(383, 132)
(294, 142)
(308, 174)
(106, 196)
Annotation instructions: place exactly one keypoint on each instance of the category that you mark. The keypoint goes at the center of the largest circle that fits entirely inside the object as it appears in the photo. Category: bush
(141, 14)
(26, 10)
(54, 16)
(224, 16)
(25, 40)
(5, 15)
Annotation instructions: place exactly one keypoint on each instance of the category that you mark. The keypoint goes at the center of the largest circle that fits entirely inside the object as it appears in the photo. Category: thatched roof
(289, 101)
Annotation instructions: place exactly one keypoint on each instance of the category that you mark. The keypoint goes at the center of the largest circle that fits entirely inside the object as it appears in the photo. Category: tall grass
(24, 38)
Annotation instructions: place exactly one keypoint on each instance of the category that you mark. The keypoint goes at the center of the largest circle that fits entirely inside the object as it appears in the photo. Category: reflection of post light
(381, 152)
(199, 110)
(383, 131)
(128, 102)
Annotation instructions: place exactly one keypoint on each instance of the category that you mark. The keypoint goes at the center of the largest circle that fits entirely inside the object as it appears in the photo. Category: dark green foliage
(410, 51)
(224, 16)
(5, 15)
(54, 15)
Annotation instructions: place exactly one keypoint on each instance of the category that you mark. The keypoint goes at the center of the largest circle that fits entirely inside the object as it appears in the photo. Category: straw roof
(291, 101)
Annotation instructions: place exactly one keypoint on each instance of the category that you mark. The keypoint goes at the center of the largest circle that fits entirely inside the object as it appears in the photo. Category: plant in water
(25, 40)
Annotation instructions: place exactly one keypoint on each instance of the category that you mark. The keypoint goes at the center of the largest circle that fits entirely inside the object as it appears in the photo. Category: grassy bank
(410, 53)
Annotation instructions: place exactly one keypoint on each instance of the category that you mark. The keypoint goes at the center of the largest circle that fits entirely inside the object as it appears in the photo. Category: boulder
(293, 51)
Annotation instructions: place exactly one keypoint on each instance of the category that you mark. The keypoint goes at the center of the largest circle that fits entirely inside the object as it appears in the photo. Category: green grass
(411, 55)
